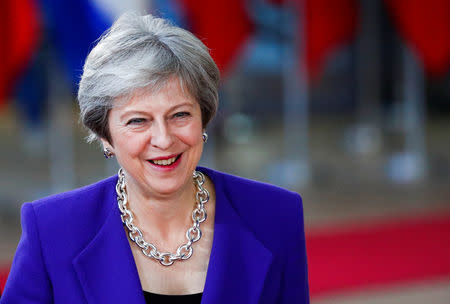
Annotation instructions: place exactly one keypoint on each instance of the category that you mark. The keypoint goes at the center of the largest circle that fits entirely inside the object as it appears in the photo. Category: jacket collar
(236, 272)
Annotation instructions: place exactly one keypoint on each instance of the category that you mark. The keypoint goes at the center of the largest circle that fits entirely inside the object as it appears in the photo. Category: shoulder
(271, 212)
(82, 195)
(73, 210)
(257, 194)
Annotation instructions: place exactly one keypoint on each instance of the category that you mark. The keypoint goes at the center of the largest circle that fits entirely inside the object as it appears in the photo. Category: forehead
(166, 95)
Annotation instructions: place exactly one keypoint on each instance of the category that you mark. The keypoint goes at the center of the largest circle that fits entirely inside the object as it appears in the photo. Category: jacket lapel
(239, 262)
(106, 268)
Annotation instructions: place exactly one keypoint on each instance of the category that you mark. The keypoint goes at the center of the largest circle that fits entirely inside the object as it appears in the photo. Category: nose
(161, 136)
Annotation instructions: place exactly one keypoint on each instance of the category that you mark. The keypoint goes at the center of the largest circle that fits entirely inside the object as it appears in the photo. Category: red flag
(426, 26)
(328, 25)
(222, 25)
(19, 32)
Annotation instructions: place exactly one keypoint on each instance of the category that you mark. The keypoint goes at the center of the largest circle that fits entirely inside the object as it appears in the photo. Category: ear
(106, 144)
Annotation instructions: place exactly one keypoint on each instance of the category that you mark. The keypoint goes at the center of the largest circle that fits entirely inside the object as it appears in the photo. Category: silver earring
(108, 153)
(205, 137)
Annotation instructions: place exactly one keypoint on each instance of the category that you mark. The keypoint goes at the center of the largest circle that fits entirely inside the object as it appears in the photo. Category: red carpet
(4, 270)
(378, 253)
(356, 256)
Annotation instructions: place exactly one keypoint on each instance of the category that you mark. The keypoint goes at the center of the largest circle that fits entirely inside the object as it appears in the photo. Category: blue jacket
(74, 249)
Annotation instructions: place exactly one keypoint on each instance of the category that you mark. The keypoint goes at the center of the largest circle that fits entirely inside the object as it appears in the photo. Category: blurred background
(346, 102)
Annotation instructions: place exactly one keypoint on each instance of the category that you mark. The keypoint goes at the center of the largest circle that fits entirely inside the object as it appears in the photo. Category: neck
(163, 218)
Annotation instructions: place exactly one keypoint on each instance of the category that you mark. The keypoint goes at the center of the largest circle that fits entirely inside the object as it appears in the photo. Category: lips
(165, 161)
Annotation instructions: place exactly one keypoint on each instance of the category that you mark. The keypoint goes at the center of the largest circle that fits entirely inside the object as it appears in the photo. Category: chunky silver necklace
(193, 234)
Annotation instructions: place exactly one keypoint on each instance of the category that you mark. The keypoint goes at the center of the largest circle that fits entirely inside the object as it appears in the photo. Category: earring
(107, 153)
(205, 137)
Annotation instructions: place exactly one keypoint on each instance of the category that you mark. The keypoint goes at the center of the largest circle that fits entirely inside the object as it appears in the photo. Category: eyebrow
(190, 104)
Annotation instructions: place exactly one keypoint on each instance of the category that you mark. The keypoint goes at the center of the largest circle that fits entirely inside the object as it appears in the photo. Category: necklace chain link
(193, 234)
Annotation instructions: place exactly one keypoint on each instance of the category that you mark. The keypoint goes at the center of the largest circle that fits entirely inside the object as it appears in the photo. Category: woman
(163, 229)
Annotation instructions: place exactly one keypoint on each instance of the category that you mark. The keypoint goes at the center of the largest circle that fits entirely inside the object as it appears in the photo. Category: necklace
(193, 234)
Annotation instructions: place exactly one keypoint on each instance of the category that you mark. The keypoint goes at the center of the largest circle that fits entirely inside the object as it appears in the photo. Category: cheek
(131, 145)
(191, 136)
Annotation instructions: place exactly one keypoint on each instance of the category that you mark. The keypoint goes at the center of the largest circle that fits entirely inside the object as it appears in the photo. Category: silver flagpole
(296, 110)
(410, 165)
(414, 113)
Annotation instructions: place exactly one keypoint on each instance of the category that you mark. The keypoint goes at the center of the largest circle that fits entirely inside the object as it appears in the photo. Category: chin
(168, 187)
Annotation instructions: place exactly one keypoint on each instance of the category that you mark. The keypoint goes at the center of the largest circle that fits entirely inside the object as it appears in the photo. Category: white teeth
(164, 162)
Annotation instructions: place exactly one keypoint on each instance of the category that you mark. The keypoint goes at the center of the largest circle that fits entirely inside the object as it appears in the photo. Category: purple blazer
(74, 249)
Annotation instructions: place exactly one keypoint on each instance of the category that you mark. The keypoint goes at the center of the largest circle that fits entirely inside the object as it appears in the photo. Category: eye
(181, 114)
(136, 121)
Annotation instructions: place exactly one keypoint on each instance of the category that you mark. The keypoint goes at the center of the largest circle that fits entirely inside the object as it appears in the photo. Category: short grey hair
(140, 52)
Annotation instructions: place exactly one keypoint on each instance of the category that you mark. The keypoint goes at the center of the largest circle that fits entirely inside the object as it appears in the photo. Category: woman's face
(157, 139)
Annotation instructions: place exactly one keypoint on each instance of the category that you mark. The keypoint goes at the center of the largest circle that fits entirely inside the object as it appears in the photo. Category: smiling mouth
(165, 162)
